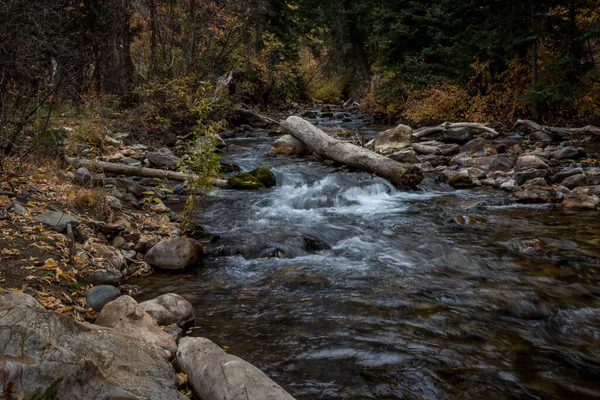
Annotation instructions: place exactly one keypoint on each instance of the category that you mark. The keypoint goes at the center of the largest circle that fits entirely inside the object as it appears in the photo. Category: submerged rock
(174, 254)
(215, 375)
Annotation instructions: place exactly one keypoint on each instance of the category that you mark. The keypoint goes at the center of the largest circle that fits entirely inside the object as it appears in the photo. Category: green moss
(265, 176)
(244, 181)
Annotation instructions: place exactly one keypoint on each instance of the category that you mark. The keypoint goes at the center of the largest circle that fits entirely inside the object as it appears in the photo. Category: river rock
(530, 161)
(18, 209)
(559, 177)
(535, 194)
(108, 256)
(438, 148)
(510, 185)
(56, 220)
(175, 253)
(265, 176)
(540, 136)
(478, 148)
(457, 135)
(536, 182)
(162, 158)
(435, 160)
(98, 296)
(582, 198)
(104, 276)
(170, 309)
(393, 140)
(216, 375)
(575, 181)
(287, 145)
(460, 179)
(244, 181)
(565, 153)
(529, 174)
(83, 361)
(487, 164)
(125, 315)
(407, 156)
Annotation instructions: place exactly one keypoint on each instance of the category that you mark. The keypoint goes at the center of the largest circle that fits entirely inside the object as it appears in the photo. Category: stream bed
(428, 294)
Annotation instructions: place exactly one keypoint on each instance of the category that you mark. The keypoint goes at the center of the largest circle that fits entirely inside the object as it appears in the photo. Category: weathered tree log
(586, 130)
(403, 175)
(254, 119)
(424, 132)
(120, 169)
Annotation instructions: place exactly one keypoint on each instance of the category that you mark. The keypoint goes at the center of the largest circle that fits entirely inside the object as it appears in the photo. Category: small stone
(18, 209)
(118, 241)
(104, 277)
(509, 185)
(98, 296)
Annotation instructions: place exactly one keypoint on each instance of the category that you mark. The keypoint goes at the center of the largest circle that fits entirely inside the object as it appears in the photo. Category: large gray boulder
(287, 145)
(393, 140)
(42, 348)
(216, 375)
(170, 309)
(56, 220)
(126, 316)
(175, 253)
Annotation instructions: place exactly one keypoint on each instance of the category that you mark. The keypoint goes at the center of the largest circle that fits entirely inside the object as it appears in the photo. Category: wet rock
(565, 153)
(438, 148)
(530, 161)
(526, 175)
(162, 158)
(457, 135)
(393, 140)
(540, 136)
(265, 176)
(575, 181)
(170, 309)
(559, 177)
(313, 244)
(582, 198)
(56, 220)
(244, 181)
(174, 254)
(405, 156)
(215, 375)
(287, 145)
(104, 276)
(125, 315)
(98, 296)
(472, 221)
(478, 148)
(83, 361)
(535, 194)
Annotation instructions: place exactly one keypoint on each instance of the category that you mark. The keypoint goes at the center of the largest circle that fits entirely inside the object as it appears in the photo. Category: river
(428, 294)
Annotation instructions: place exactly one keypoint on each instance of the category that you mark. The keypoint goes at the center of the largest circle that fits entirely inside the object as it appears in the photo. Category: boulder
(216, 375)
(175, 253)
(108, 256)
(438, 148)
(582, 198)
(98, 296)
(162, 158)
(575, 181)
(125, 315)
(41, 349)
(530, 161)
(565, 153)
(560, 176)
(487, 164)
(478, 148)
(244, 181)
(56, 220)
(407, 156)
(265, 176)
(170, 309)
(393, 140)
(529, 174)
(457, 135)
(287, 145)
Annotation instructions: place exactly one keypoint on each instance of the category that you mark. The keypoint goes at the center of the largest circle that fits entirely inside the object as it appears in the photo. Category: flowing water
(429, 294)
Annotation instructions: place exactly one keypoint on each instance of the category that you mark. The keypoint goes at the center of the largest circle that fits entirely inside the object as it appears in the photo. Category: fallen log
(254, 119)
(424, 132)
(585, 130)
(120, 169)
(402, 175)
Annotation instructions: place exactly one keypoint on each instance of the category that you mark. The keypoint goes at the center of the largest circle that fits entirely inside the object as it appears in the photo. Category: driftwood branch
(424, 132)
(586, 130)
(120, 169)
(403, 175)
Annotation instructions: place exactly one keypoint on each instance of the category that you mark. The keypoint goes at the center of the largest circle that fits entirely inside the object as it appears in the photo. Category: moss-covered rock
(244, 181)
(460, 181)
(265, 176)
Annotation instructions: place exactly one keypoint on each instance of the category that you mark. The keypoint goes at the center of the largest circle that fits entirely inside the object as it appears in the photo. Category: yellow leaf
(49, 265)
(30, 278)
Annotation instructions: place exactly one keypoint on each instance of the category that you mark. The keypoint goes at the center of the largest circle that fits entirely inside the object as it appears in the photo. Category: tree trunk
(401, 175)
(120, 169)
(357, 42)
